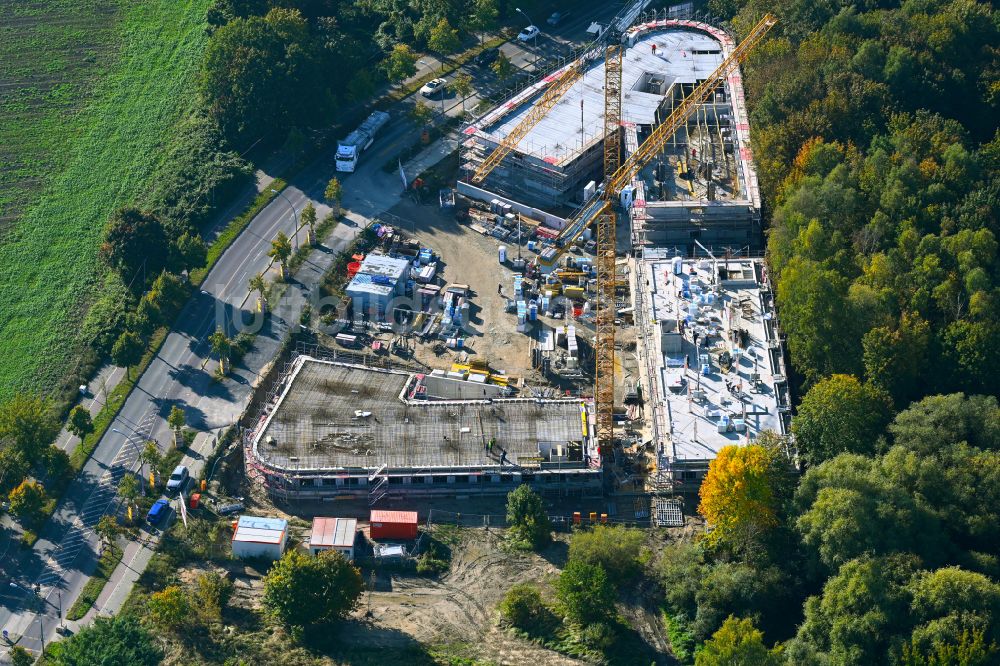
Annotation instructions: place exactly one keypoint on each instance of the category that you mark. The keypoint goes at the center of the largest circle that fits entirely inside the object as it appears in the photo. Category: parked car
(528, 33)
(178, 479)
(434, 87)
(557, 18)
(486, 58)
(158, 511)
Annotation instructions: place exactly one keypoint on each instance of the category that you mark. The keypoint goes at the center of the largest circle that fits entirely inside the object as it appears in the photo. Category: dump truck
(349, 149)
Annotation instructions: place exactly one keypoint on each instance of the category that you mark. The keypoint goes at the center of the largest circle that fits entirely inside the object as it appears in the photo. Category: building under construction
(703, 185)
(339, 429)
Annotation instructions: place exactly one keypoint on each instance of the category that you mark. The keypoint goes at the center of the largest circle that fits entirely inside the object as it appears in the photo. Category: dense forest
(874, 125)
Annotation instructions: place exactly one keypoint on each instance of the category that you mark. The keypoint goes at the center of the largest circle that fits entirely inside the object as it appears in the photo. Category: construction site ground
(453, 615)
(469, 257)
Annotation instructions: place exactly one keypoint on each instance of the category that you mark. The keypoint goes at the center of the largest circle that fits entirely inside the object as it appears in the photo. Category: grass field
(90, 92)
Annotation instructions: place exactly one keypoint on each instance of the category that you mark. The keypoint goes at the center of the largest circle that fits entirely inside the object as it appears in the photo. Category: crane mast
(618, 175)
(604, 342)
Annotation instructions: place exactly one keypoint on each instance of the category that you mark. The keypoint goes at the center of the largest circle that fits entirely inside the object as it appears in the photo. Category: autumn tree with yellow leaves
(742, 494)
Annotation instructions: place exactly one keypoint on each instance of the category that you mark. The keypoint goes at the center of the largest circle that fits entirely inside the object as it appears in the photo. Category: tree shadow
(556, 553)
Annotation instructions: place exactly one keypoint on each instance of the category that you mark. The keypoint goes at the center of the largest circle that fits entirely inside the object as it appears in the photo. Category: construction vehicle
(350, 148)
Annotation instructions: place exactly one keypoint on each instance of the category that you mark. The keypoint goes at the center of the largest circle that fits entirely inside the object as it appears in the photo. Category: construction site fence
(561, 522)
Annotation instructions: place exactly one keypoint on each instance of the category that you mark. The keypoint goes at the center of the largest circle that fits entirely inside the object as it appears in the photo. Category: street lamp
(521, 12)
(534, 39)
(128, 438)
(295, 217)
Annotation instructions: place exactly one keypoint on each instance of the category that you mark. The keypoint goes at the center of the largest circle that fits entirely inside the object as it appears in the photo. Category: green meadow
(91, 95)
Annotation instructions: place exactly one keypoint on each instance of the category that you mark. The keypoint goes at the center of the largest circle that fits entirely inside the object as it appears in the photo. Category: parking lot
(551, 47)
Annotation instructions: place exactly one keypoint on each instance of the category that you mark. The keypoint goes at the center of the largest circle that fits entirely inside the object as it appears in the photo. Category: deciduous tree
(128, 487)
(254, 67)
(309, 218)
(738, 496)
(120, 639)
(334, 194)
(127, 351)
(257, 284)
(938, 422)
(462, 84)
(27, 501)
(526, 517)
(522, 607)
(108, 529)
(176, 420)
(839, 414)
(170, 608)
(483, 17)
(421, 114)
(56, 463)
(503, 67)
(401, 63)
(619, 550)
(737, 643)
(281, 250)
(444, 38)
(585, 593)
(134, 245)
(221, 346)
(29, 424)
(303, 591)
(80, 423)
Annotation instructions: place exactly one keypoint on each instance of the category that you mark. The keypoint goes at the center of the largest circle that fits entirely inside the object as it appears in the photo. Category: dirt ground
(458, 608)
(470, 258)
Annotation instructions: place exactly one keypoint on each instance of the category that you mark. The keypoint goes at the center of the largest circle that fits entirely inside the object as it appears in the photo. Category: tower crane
(541, 108)
(602, 209)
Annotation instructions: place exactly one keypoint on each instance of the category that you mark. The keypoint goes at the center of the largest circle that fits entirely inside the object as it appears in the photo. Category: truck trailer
(349, 149)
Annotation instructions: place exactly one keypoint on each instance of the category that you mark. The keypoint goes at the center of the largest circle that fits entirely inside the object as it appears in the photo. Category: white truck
(349, 149)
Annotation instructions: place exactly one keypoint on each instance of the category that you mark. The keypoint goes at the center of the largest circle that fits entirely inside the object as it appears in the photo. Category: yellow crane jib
(652, 146)
(549, 98)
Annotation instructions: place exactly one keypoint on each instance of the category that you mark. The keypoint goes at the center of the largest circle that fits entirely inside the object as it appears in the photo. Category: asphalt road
(182, 372)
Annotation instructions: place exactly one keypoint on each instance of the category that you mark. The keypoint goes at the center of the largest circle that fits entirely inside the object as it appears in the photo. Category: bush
(522, 607)
(619, 550)
(585, 593)
(433, 561)
(598, 636)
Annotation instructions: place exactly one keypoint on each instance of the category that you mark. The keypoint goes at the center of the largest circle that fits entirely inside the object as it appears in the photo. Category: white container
(503, 254)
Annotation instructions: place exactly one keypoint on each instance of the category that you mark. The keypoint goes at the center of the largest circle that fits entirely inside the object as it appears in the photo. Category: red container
(194, 500)
(393, 524)
(353, 268)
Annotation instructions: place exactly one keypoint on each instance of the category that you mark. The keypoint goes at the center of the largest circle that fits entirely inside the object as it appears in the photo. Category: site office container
(393, 524)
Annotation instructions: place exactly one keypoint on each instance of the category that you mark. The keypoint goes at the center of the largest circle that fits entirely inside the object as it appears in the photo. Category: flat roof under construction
(696, 396)
(577, 120)
(334, 416)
